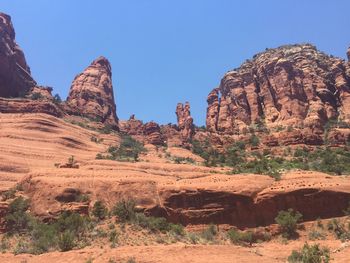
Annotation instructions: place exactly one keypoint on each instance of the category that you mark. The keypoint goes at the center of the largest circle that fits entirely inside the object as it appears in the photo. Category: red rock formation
(91, 93)
(44, 91)
(185, 121)
(348, 53)
(290, 85)
(151, 131)
(29, 106)
(15, 76)
(131, 126)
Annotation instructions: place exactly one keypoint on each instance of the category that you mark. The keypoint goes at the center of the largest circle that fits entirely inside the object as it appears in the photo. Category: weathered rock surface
(131, 126)
(91, 93)
(29, 106)
(151, 131)
(15, 76)
(185, 121)
(294, 85)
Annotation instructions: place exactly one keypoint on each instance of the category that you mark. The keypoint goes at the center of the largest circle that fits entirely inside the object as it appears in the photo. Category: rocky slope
(294, 85)
(91, 93)
(15, 76)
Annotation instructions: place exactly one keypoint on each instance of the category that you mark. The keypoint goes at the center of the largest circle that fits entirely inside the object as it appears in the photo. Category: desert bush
(73, 223)
(17, 219)
(254, 140)
(57, 99)
(338, 229)
(210, 233)
(99, 210)
(315, 234)
(36, 96)
(66, 241)
(124, 210)
(310, 254)
(43, 237)
(128, 150)
(287, 221)
(179, 160)
(240, 238)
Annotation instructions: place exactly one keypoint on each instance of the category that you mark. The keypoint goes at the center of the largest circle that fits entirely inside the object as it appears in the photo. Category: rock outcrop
(30, 106)
(294, 85)
(131, 126)
(91, 93)
(151, 131)
(15, 76)
(185, 121)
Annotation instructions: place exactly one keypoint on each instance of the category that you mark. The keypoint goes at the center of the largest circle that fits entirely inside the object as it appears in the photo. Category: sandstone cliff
(91, 93)
(15, 76)
(294, 85)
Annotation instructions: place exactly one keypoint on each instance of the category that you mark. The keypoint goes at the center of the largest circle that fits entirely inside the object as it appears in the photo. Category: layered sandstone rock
(185, 121)
(30, 106)
(151, 131)
(91, 93)
(294, 85)
(15, 76)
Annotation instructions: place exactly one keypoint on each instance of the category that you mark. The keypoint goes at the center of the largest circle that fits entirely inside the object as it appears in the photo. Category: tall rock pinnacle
(185, 121)
(91, 93)
(15, 76)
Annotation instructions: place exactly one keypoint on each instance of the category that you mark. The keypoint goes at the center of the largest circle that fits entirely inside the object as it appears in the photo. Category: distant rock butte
(15, 76)
(185, 121)
(293, 85)
(91, 93)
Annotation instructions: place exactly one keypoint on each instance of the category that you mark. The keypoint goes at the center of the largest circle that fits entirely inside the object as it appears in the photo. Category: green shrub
(124, 210)
(315, 234)
(128, 150)
(43, 237)
(254, 140)
(338, 229)
(99, 210)
(17, 219)
(21, 247)
(36, 96)
(239, 238)
(210, 232)
(72, 222)
(66, 241)
(152, 223)
(113, 236)
(57, 99)
(310, 254)
(287, 221)
(177, 229)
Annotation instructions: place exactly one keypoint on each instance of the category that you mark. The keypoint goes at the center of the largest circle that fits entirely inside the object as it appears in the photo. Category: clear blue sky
(163, 52)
